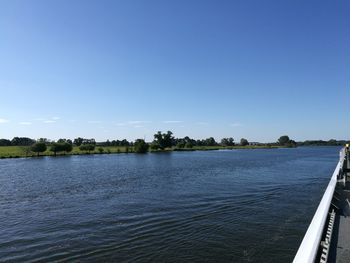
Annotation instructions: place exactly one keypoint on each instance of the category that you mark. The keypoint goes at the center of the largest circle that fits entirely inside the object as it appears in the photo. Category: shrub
(188, 145)
(61, 147)
(155, 145)
(87, 147)
(141, 146)
(38, 147)
(244, 142)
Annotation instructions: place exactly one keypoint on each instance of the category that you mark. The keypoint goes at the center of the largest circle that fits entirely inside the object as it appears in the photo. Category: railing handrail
(308, 249)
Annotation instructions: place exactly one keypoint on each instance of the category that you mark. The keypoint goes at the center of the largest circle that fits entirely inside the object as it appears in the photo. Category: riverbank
(23, 151)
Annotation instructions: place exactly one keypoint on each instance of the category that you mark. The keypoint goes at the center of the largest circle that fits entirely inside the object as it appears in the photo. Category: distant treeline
(17, 141)
(161, 141)
(323, 143)
(25, 141)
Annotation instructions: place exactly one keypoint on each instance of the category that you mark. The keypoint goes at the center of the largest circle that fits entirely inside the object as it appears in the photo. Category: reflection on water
(227, 206)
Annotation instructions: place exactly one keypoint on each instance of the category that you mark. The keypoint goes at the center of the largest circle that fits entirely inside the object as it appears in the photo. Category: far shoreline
(14, 152)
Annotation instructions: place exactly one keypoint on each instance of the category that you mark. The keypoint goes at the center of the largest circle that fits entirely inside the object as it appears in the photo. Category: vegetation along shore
(163, 142)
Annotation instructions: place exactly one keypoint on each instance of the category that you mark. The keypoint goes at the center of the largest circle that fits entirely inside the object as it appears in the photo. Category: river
(202, 206)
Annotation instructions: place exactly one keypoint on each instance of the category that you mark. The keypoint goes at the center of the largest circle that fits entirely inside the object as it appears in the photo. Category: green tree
(100, 149)
(227, 142)
(291, 144)
(163, 140)
(283, 140)
(124, 142)
(332, 142)
(107, 143)
(155, 145)
(158, 142)
(22, 141)
(89, 141)
(87, 147)
(224, 142)
(210, 142)
(78, 141)
(38, 147)
(189, 145)
(141, 146)
(168, 139)
(231, 141)
(44, 140)
(244, 142)
(67, 146)
(55, 148)
(5, 142)
(181, 144)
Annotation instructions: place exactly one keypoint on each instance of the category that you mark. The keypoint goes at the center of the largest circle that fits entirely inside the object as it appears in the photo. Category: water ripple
(227, 206)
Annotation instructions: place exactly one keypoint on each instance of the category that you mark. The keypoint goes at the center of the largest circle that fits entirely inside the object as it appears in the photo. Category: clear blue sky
(125, 69)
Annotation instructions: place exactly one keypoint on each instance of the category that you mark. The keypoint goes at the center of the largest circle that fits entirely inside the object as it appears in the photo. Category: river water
(204, 206)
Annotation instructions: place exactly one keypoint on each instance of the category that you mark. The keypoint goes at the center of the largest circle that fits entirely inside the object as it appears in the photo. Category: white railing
(308, 249)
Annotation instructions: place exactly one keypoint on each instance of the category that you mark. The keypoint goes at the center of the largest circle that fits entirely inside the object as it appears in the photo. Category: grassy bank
(22, 151)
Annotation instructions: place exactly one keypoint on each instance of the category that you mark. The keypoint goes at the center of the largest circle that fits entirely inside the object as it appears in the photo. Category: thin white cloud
(236, 124)
(94, 122)
(48, 120)
(3, 120)
(138, 122)
(139, 126)
(25, 123)
(120, 124)
(172, 121)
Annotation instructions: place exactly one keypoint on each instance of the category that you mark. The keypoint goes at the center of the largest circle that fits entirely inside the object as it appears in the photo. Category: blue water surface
(203, 206)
